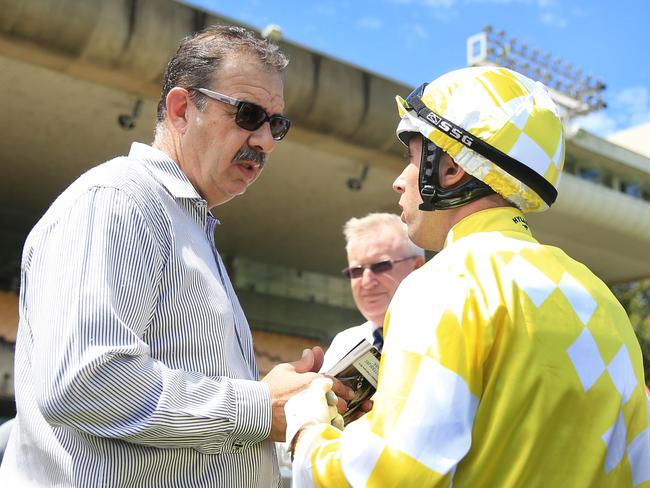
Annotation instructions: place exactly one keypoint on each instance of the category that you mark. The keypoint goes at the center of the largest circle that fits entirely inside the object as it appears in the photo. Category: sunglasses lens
(250, 116)
(352, 273)
(279, 126)
(381, 267)
(376, 268)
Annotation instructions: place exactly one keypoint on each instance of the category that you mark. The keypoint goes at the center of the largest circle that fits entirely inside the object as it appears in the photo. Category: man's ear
(450, 173)
(176, 105)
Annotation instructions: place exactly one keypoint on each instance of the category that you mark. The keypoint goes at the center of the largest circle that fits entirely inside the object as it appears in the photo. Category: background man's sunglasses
(354, 272)
(251, 116)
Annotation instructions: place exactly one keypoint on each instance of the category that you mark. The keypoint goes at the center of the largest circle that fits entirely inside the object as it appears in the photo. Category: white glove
(314, 405)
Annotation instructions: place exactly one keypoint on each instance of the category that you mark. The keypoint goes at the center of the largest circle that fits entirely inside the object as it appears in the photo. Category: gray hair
(373, 223)
(200, 55)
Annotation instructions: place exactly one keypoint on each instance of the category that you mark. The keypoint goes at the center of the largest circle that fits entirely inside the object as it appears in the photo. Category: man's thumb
(305, 363)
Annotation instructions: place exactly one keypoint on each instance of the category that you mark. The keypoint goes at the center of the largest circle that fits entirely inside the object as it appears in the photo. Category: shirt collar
(507, 220)
(371, 326)
(165, 170)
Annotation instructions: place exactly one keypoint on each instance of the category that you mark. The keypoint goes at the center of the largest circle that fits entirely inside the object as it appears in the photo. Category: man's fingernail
(305, 352)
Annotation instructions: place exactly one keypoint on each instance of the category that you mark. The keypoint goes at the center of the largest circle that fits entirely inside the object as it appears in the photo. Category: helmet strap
(434, 197)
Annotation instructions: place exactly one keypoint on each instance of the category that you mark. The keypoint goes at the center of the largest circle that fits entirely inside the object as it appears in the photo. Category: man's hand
(287, 379)
(319, 357)
(315, 405)
(363, 409)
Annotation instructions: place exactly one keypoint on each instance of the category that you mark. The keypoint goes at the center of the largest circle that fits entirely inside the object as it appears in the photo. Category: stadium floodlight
(574, 91)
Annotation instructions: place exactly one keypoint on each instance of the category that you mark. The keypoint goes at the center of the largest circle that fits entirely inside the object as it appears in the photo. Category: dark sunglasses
(354, 272)
(251, 116)
(523, 173)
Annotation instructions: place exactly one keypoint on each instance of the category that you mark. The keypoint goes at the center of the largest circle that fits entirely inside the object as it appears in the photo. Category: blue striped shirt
(134, 361)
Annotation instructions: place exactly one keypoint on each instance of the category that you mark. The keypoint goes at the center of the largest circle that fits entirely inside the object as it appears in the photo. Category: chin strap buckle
(428, 179)
(428, 194)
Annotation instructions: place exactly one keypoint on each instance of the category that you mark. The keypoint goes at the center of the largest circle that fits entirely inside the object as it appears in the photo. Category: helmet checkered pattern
(505, 109)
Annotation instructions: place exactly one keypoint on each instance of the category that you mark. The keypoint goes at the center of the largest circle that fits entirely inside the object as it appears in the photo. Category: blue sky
(417, 40)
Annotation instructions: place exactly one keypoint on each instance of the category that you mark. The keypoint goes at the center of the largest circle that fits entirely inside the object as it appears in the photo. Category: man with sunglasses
(134, 360)
(506, 362)
(380, 255)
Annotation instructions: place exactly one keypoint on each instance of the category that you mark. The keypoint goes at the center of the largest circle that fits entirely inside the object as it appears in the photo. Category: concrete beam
(126, 44)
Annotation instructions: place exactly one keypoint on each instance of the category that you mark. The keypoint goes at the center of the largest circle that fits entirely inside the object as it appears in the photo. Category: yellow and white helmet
(498, 125)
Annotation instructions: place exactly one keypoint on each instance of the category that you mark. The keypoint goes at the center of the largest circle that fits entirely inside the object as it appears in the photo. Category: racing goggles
(516, 169)
(251, 116)
(354, 272)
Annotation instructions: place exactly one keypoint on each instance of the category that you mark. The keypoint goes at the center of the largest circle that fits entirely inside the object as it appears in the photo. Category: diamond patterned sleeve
(421, 423)
(317, 460)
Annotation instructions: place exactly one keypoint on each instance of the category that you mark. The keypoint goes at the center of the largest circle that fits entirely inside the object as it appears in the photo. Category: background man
(506, 362)
(134, 361)
(380, 255)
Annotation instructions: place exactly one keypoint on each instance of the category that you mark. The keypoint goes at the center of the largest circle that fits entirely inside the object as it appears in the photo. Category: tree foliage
(635, 298)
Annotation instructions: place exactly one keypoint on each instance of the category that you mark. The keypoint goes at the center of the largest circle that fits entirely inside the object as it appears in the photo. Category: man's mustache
(248, 154)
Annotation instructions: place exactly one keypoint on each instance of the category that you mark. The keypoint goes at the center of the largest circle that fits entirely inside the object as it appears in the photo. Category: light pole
(575, 92)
